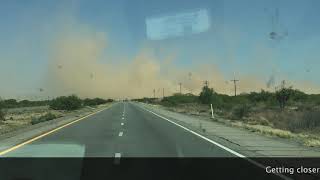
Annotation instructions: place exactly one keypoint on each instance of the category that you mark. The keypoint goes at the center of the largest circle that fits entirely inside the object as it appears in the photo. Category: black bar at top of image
(149, 168)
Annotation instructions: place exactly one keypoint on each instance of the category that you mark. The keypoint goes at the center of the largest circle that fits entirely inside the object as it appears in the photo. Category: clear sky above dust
(101, 48)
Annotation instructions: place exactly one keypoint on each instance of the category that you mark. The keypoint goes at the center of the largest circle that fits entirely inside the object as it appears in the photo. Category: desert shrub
(297, 95)
(283, 96)
(2, 114)
(95, 101)
(309, 120)
(10, 103)
(145, 100)
(314, 98)
(261, 96)
(268, 98)
(66, 103)
(179, 99)
(241, 111)
(46, 117)
(27, 103)
(206, 95)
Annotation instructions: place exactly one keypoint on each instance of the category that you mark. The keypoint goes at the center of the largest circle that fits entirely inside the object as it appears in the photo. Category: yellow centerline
(47, 133)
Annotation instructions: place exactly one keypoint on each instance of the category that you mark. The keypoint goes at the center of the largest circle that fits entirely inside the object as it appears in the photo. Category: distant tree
(206, 95)
(262, 96)
(95, 101)
(283, 94)
(66, 103)
(2, 113)
(10, 103)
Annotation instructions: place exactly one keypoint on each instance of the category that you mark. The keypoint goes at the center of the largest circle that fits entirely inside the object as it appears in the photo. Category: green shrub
(179, 99)
(2, 112)
(283, 96)
(66, 103)
(95, 101)
(206, 94)
(46, 117)
(2, 115)
(241, 111)
(263, 96)
(217, 102)
(309, 120)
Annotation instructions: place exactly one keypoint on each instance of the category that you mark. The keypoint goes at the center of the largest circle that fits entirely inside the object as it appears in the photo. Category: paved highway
(126, 130)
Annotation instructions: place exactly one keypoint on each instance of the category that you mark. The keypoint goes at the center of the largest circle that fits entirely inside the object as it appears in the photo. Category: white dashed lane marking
(117, 157)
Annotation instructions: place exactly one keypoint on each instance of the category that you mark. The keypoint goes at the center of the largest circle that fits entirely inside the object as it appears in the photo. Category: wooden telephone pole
(163, 92)
(235, 85)
(206, 83)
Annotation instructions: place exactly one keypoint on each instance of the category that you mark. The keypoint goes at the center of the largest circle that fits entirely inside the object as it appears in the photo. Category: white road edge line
(217, 144)
(117, 155)
(48, 132)
(120, 133)
(201, 136)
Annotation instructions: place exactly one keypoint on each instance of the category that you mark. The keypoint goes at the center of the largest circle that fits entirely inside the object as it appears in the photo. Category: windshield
(160, 78)
(83, 47)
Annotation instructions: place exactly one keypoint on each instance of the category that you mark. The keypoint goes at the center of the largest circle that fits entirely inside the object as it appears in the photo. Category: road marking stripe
(47, 133)
(201, 136)
(217, 144)
(117, 155)
(121, 124)
(122, 118)
(121, 133)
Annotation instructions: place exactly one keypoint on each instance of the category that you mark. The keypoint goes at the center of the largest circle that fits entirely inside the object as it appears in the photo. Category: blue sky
(237, 41)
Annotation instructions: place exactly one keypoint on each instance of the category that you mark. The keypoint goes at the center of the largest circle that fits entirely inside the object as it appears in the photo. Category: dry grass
(267, 130)
(290, 124)
(191, 109)
(22, 117)
(312, 142)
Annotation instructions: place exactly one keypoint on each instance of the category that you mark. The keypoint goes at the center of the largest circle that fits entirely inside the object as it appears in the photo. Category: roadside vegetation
(17, 114)
(2, 112)
(286, 113)
(47, 117)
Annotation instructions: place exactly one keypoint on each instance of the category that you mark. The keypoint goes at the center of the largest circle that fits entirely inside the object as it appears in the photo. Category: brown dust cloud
(77, 66)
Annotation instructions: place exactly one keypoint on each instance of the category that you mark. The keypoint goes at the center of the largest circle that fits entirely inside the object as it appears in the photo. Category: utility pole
(180, 87)
(206, 83)
(163, 92)
(154, 93)
(235, 85)
(283, 84)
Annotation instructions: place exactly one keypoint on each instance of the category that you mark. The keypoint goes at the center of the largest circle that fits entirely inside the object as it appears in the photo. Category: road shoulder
(243, 141)
(19, 136)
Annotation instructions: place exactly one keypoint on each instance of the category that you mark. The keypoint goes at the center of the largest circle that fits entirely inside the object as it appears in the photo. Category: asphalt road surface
(134, 142)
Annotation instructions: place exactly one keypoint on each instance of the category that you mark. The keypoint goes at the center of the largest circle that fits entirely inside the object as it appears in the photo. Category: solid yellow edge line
(47, 133)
